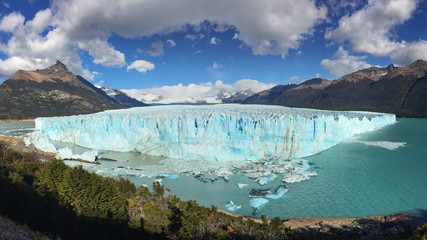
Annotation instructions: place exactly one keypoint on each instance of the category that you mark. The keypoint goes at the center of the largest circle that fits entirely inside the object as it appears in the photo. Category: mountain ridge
(398, 90)
(53, 91)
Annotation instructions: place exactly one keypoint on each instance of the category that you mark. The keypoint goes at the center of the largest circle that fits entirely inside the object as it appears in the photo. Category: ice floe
(232, 207)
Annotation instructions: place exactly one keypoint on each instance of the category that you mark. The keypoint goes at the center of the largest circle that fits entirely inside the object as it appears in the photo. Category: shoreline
(304, 225)
(17, 120)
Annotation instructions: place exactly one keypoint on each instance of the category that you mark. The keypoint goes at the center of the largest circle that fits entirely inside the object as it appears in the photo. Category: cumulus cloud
(103, 53)
(370, 29)
(269, 28)
(215, 41)
(293, 78)
(31, 48)
(69, 26)
(202, 90)
(156, 48)
(141, 66)
(171, 42)
(344, 63)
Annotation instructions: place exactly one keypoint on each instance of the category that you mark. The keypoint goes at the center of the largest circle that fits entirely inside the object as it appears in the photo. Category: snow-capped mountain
(121, 97)
(223, 96)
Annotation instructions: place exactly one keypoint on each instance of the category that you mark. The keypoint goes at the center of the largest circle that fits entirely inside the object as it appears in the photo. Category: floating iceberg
(212, 132)
(294, 177)
(383, 144)
(265, 180)
(258, 202)
(280, 191)
(232, 207)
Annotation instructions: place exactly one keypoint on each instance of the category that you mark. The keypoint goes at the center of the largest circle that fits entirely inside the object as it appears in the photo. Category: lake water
(371, 174)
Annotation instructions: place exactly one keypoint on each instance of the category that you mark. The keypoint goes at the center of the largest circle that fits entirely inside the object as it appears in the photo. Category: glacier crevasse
(212, 132)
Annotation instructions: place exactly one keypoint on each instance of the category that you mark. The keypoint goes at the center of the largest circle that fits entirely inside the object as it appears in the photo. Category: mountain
(149, 97)
(238, 97)
(222, 96)
(53, 91)
(122, 98)
(398, 90)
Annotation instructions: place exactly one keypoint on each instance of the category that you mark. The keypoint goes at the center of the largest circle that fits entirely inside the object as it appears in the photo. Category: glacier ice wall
(213, 132)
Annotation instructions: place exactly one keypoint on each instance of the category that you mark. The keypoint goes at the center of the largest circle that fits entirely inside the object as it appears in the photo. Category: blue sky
(155, 43)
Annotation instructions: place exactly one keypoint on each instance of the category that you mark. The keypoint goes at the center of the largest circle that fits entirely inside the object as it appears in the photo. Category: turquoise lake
(354, 179)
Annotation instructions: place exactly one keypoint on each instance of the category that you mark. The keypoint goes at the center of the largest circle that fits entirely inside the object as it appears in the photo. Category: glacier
(211, 132)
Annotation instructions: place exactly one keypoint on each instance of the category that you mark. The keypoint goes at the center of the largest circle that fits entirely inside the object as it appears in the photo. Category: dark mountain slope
(402, 91)
(121, 98)
(268, 96)
(53, 91)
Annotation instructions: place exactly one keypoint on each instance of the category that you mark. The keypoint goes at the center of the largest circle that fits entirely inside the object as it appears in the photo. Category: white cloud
(294, 78)
(317, 75)
(235, 36)
(215, 66)
(202, 90)
(370, 30)
(269, 28)
(192, 37)
(12, 22)
(141, 66)
(344, 63)
(103, 53)
(171, 42)
(156, 48)
(68, 26)
(215, 41)
(197, 52)
(9, 66)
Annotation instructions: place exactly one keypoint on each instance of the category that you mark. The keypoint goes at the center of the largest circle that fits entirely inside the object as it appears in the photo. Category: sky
(186, 47)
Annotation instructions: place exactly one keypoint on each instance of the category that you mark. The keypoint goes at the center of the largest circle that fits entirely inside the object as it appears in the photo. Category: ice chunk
(65, 153)
(384, 144)
(265, 180)
(258, 192)
(173, 176)
(40, 141)
(242, 185)
(213, 132)
(277, 193)
(232, 207)
(294, 177)
(258, 202)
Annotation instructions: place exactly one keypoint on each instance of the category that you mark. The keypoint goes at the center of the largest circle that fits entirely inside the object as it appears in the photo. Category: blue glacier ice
(212, 132)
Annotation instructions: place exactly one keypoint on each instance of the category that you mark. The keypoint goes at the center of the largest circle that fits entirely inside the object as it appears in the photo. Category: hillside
(53, 91)
(398, 90)
(122, 98)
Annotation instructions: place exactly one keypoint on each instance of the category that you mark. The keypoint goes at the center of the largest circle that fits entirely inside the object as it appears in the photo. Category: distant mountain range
(223, 96)
(398, 90)
(54, 91)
